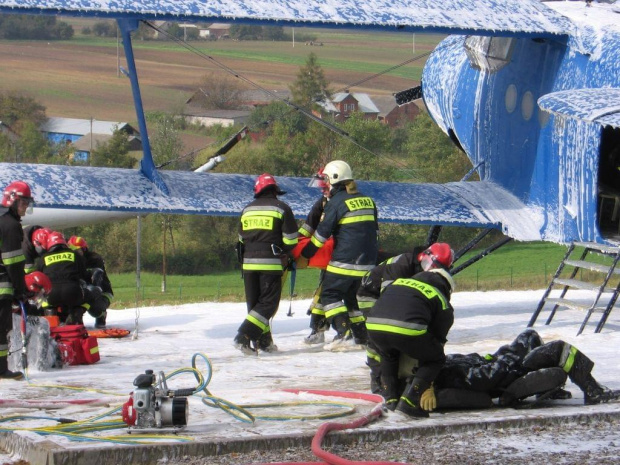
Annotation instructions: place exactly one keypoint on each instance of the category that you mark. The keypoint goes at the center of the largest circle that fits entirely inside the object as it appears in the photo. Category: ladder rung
(569, 303)
(581, 285)
(600, 247)
(591, 266)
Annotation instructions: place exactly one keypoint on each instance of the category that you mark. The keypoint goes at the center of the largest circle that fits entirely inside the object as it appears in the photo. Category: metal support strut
(147, 166)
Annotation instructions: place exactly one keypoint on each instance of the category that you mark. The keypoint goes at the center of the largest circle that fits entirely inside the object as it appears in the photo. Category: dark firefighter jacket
(352, 221)
(401, 266)
(12, 281)
(30, 252)
(267, 230)
(61, 264)
(413, 307)
(314, 218)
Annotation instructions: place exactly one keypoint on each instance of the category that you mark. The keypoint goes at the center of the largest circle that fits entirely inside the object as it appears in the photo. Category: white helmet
(338, 171)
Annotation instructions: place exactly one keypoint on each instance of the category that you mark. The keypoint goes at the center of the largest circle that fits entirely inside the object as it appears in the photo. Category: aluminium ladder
(609, 271)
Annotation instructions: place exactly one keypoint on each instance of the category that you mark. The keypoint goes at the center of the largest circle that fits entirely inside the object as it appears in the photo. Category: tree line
(289, 144)
(34, 27)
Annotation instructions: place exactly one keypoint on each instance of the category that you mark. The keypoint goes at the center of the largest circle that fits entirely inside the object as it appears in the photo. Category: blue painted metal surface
(547, 159)
(538, 168)
(523, 17)
(226, 194)
(147, 167)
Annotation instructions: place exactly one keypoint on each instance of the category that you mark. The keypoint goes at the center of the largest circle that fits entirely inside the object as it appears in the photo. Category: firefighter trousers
(262, 296)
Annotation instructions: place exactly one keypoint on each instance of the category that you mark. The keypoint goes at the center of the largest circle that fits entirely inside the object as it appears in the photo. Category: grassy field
(79, 78)
(515, 266)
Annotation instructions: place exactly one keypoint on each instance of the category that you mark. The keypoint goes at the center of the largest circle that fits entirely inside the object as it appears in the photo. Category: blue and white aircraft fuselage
(529, 90)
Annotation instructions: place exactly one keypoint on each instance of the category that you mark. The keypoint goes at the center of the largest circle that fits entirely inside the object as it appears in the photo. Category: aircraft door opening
(609, 184)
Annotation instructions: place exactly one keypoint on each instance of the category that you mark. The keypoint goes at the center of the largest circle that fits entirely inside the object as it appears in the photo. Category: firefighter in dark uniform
(351, 219)
(95, 265)
(16, 200)
(267, 233)
(318, 323)
(400, 266)
(413, 317)
(67, 272)
(30, 251)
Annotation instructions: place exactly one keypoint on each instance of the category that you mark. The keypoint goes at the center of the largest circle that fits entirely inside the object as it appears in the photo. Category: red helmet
(55, 238)
(39, 239)
(77, 242)
(438, 255)
(17, 189)
(319, 180)
(38, 283)
(264, 181)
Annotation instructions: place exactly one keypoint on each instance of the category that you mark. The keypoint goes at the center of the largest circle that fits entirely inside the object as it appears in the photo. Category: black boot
(100, 321)
(344, 339)
(341, 324)
(244, 344)
(409, 402)
(265, 343)
(5, 373)
(318, 326)
(360, 334)
(595, 393)
(389, 391)
(580, 374)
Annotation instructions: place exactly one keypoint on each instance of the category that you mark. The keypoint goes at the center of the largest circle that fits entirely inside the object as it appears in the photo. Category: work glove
(428, 401)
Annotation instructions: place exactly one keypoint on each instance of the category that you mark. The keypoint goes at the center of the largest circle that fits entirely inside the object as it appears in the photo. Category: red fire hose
(327, 457)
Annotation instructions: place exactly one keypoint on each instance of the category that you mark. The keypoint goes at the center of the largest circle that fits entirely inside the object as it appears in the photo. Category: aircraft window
(511, 98)
(489, 53)
(527, 106)
(543, 118)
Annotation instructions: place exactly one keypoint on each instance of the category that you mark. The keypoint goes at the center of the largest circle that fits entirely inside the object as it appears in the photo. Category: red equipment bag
(75, 345)
(321, 258)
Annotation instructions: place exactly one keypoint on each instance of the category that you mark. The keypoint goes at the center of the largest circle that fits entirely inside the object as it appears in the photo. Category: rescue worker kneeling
(413, 317)
(68, 274)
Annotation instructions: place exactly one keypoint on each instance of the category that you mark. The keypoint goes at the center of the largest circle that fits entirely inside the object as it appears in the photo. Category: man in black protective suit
(400, 266)
(413, 317)
(67, 271)
(267, 234)
(515, 371)
(351, 219)
(16, 200)
(95, 265)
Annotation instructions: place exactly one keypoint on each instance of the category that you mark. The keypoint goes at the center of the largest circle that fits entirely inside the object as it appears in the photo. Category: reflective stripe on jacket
(352, 220)
(413, 306)
(268, 230)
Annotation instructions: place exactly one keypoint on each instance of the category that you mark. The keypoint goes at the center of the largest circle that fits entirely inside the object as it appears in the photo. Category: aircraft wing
(601, 105)
(469, 204)
(481, 17)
